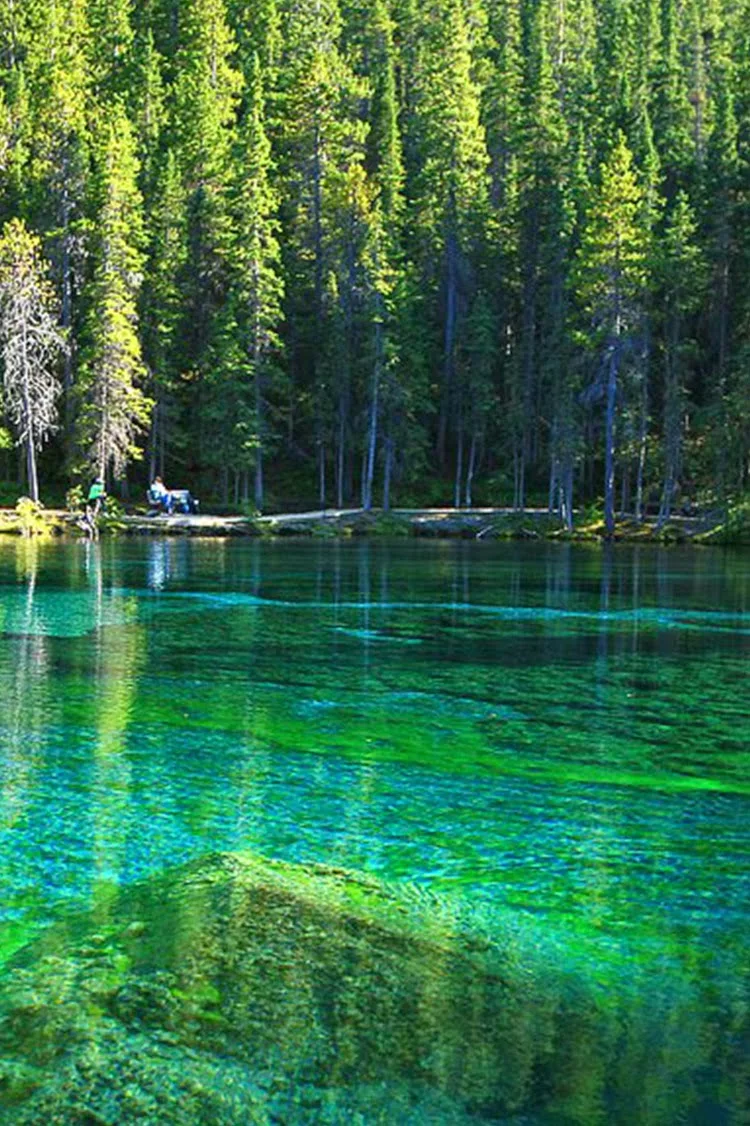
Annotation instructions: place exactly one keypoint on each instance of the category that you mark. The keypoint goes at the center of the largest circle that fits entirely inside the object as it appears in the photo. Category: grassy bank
(703, 527)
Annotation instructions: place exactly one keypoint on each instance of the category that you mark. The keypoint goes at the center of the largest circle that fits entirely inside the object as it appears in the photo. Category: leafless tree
(31, 344)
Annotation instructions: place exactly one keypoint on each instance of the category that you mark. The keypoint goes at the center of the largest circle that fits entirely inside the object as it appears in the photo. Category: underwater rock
(253, 991)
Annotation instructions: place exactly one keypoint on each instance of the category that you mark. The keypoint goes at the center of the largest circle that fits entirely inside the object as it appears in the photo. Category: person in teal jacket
(96, 498)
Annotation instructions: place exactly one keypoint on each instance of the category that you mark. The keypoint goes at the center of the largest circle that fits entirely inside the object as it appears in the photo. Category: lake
(533, 757)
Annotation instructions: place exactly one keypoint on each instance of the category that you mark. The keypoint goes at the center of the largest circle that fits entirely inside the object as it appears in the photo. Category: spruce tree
(114, 410)
(321, 141)
(257, 290)
(111, 42)
(430, 176)
(452, 183)
(672, 111)
(611, 276)
(384, 258)
(542, 250)
(162, 312)
(204, 103)
(149, 116)
(680, 278)
(722, 183)
(55, 176)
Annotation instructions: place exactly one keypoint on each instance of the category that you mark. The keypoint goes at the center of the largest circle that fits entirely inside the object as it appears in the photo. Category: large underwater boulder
(241, 990)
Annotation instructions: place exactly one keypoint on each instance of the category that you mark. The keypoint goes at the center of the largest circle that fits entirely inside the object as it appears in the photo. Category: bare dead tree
(31, 344)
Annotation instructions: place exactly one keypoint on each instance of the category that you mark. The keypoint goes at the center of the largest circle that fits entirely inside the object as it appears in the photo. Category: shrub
(74, 499)
(32, 517)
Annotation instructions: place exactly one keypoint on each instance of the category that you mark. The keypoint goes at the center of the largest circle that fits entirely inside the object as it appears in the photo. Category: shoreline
(424, 523)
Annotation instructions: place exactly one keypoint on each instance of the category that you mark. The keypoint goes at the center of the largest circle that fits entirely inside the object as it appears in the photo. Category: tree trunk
(554, 466)
(321, 473)
(459, 467)
(162, 435)
(521, 500)
(470, 470)
(566, 505)
(258, 489)
(449, 336)
(153, 443)
(643, 427)
(529, 357)
(625, 489)
(372, 435)
(609, 441)
(340, 456)
(387, 473)
(31, 474)
(672, 422)
(372, 442)
(516, 474)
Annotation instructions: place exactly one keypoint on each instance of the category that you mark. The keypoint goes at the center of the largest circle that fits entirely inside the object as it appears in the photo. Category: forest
(378, 252)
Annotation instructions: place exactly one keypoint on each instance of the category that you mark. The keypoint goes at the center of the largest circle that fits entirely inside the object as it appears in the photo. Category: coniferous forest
(373, 253)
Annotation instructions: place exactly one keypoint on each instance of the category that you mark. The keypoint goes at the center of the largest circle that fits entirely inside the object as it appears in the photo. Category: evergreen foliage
(465, 250)
(113, 407)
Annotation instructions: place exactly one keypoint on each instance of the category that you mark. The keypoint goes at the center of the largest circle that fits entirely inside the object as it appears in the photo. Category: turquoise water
(553, 741)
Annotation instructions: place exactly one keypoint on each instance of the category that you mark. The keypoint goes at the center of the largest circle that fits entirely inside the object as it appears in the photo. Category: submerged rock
(238, 990)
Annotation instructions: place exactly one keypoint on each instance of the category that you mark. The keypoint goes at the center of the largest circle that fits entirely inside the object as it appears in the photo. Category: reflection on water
(547, 745)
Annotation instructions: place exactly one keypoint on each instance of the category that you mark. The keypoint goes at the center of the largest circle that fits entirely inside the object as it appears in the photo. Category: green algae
(543, 751)
(315, 990)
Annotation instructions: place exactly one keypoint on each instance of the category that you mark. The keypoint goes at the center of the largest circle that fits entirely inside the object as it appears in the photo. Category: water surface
(552, 740)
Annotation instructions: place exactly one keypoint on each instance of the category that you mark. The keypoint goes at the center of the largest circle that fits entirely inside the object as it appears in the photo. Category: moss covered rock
(240, 990)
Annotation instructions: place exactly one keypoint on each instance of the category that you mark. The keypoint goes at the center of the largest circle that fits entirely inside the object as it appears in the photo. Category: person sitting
(184, 501)
(159, 496)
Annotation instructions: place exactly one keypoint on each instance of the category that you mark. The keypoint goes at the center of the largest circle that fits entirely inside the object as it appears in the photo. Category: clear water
(552, 740)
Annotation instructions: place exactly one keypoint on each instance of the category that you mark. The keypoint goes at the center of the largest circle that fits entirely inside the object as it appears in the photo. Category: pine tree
(162, 312)
(478, 361)
(57, 74)
(205, 100)
(384, 261)
(611, 276)
(257, 288)
(114, 409)
(384, 160)
(542, 249)
(721, 187)
(148, 114)
(322, 141)
(31, 344)
(257, 29)
(672, 113)
(429, 187)
(681, 277)
(452, 184)
(111, 43)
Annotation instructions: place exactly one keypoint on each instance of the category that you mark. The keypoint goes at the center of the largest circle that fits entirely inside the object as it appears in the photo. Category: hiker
(160, 496)
(96, 499)
(95, 502)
